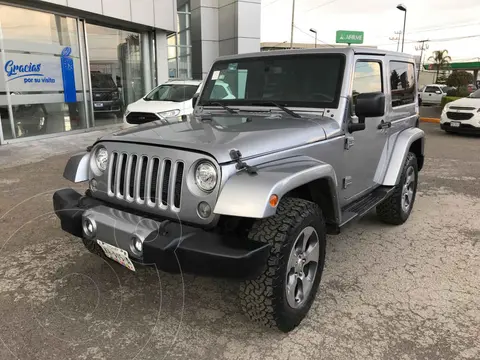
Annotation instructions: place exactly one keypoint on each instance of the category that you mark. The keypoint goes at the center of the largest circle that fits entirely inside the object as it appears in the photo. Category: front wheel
(282, 295)
(397, 208)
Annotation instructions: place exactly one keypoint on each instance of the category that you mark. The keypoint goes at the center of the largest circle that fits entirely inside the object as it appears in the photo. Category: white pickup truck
(432, 94)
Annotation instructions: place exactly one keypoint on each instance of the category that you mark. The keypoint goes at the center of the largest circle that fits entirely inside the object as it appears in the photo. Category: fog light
(89, 227)
(93, 185)
(137, 244)
(204, 210)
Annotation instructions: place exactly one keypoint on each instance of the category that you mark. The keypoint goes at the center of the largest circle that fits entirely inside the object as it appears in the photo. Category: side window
(367, 78)
(402, 82)
(431, 89)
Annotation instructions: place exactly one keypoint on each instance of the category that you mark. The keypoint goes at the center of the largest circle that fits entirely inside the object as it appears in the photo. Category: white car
(171, 99)
(462, 115)
(432, 94)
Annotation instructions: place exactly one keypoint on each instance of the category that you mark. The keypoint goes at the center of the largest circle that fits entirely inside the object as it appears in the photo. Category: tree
(441, 60)
(394, 79)
(460, 78)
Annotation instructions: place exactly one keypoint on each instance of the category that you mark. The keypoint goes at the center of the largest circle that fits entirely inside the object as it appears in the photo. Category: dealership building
(73, 65)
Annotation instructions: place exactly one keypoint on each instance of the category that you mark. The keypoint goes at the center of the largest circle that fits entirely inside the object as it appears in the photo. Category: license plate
(98, 105)
(117, 254)
(454, 124)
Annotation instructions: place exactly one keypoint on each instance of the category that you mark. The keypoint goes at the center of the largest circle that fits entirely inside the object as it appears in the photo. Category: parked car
(433, 94)
(462, 115)
(173, 98)
(250, 184)
(106, 97)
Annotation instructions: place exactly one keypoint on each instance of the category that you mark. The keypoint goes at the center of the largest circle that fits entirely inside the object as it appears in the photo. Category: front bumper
(169, 245)
(470, 126)
(108, 106)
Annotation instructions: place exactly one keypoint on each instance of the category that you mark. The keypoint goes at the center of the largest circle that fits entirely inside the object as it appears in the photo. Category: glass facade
(41, 91)
(62, 73)
(180, 46)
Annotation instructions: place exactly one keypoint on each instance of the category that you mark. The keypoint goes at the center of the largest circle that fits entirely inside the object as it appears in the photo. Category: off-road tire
(390, 210)
(263, 299)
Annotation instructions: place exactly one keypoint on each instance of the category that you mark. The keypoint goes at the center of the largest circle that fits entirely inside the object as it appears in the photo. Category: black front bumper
(463, 128)
(171, 247)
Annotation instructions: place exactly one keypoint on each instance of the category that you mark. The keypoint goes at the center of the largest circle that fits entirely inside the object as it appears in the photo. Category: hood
(154, 106)
(252, 135)
(466, 102)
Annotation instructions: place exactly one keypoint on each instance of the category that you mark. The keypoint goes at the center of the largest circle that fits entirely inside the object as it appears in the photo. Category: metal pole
(315, 40)
(89, 72)
(293, 24)
(83, 66)
(404, 24)
(7, 87)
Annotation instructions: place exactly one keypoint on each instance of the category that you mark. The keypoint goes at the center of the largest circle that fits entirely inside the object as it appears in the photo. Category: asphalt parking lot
(407, 292)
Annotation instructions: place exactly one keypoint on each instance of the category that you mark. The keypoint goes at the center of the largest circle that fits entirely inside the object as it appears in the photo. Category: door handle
(384, 125)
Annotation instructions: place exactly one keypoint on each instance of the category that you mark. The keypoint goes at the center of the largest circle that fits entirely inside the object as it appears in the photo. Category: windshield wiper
(229, 109)
(285, 109)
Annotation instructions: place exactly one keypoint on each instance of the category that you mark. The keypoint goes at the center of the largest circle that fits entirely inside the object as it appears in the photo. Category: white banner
(28, 72)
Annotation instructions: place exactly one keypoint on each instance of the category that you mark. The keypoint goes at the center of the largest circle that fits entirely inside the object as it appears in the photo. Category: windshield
(102, 81)
(172, 92)
(295, 80)
(475, 94)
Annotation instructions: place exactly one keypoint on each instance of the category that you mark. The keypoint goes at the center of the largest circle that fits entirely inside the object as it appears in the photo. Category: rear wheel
(282, 295)
(397, 208)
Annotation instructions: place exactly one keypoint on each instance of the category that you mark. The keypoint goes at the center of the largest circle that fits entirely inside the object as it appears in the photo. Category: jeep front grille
(150, 181)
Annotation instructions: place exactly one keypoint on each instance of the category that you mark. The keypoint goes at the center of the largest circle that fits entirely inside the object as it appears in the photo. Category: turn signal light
(273, 200)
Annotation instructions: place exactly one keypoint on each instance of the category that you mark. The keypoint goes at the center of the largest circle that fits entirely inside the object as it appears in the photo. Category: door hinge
(347, 181)
(349, 142)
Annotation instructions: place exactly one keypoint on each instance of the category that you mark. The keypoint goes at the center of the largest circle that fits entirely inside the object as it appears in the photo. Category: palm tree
(440, 59)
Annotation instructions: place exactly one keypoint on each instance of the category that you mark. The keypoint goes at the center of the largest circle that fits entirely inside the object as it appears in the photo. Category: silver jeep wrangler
(251, 183)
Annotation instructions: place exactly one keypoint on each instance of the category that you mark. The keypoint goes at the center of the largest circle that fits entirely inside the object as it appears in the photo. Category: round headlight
(101, 158)
(206, 176)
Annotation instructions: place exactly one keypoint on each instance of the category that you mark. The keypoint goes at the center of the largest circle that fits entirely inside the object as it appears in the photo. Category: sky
(448, 24)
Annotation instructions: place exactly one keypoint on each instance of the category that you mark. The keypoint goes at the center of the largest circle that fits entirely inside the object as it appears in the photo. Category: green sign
(349, 37)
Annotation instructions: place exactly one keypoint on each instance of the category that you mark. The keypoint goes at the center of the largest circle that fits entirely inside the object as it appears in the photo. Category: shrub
(447, 99)
(452, 92)
(460, 78)
(462, 91)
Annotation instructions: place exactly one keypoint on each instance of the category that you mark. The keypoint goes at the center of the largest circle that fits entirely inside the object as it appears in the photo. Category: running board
(362, 206)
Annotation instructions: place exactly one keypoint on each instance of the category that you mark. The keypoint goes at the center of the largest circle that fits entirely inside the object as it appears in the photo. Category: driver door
(364, 149)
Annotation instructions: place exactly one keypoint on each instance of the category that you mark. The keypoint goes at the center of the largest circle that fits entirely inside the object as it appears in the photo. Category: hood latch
(236, 155)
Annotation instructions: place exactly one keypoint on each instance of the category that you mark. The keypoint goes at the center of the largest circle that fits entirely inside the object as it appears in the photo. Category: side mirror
(438, 92)
(368, 105)
(194, 100)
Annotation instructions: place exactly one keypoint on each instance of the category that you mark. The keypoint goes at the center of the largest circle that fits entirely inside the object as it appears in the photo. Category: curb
(430, 120)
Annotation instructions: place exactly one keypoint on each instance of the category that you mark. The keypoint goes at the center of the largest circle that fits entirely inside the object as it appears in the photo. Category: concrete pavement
(407, 292)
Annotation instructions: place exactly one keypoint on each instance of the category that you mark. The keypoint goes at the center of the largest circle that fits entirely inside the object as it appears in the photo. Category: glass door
(115, 68)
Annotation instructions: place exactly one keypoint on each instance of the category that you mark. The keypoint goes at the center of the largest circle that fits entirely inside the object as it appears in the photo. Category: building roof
(286, 45)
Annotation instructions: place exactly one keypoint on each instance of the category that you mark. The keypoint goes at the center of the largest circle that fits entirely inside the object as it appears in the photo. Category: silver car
(249, 186)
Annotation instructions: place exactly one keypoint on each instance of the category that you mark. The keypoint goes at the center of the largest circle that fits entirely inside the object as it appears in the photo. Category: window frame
(414, 86)
(368, 60)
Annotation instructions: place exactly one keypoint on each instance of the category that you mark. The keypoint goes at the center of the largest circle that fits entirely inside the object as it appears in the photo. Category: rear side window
(431, 89)
(402, 83)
